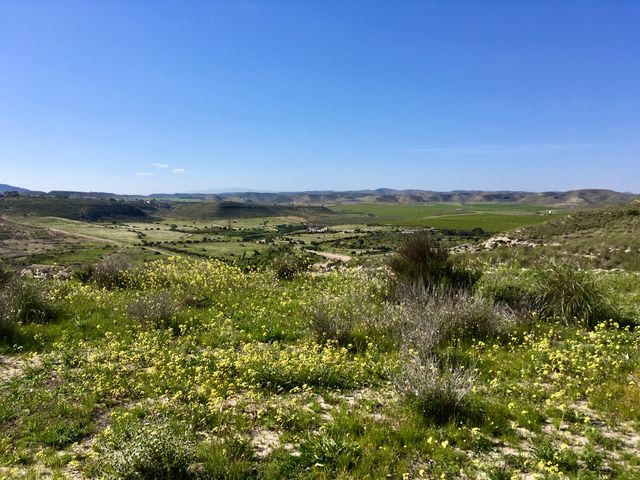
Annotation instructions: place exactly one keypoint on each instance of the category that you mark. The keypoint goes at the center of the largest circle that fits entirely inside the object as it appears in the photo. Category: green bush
(572, 295)
(26, 301)
(422, 261)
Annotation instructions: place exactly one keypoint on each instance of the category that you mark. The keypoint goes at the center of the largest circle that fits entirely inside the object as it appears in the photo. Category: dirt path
(332, 256)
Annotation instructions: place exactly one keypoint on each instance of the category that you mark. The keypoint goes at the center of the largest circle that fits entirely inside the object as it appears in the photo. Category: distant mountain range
(583, 197)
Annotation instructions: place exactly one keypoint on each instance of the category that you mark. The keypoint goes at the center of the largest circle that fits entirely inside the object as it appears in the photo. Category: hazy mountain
(583, 197)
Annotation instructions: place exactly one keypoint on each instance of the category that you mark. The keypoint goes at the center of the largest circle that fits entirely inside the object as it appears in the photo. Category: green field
(489, 217)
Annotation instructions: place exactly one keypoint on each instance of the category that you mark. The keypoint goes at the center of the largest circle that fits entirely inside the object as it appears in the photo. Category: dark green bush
(422, 261)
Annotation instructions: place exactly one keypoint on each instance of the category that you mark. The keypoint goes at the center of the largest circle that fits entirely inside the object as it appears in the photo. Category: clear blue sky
(291, 95)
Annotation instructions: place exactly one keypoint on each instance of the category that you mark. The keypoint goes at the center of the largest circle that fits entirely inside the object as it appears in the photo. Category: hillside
(77, 209)
(208, 210)
(598, 238)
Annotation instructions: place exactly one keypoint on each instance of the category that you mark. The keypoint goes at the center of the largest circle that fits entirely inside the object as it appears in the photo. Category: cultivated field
(356, 341)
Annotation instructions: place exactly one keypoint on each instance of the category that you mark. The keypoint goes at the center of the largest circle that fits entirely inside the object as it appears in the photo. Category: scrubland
(420, 368)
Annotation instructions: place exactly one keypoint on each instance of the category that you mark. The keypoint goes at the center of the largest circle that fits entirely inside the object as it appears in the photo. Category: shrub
(330, 322)
(111, 272)
(351, 321)
(26, 301)
(435, 388)
(283, 259)
(353, 318)
(572, 295)
(287, 266)
(6, 275)
(429, 318)
(514, 295)
(422, 261)
(154, 310)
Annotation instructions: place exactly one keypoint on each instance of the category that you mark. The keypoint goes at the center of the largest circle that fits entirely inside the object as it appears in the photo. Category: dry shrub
(154, 310)
(429, 317)
(351, 320)
(427, 320)
(111, 272)
(436, 388)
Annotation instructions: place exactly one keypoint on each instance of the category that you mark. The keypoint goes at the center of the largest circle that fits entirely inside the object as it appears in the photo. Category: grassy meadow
(202, 348)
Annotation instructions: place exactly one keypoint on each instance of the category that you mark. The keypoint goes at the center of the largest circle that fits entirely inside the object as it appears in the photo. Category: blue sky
(155, 96)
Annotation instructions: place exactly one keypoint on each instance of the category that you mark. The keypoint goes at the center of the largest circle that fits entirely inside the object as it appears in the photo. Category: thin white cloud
(160, 165)
(145, 174)
(179, 171)
(505, 149)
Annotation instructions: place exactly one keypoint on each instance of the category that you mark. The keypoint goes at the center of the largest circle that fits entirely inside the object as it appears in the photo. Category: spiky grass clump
(571, 295)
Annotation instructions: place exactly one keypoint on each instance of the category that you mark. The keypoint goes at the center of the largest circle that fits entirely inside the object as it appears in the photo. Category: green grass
(489, 217)
(244, 375)
(242, 384)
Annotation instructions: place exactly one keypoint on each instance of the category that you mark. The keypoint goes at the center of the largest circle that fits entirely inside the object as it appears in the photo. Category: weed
(328, 450)
(153, 450)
